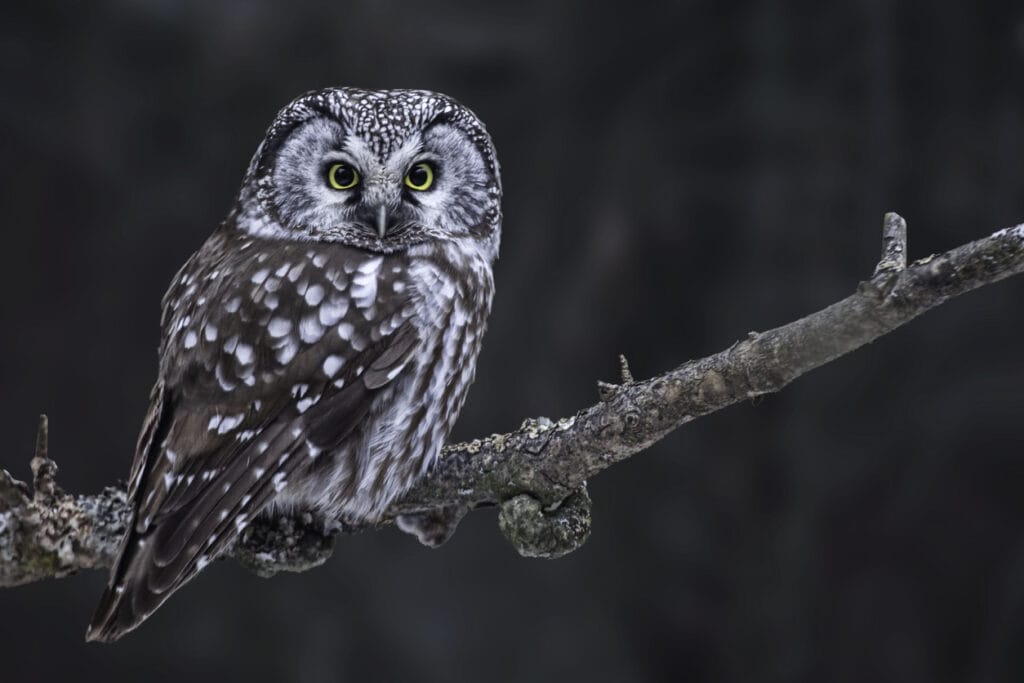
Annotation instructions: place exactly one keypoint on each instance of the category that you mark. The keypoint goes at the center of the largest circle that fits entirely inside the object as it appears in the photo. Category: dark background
(676, 175)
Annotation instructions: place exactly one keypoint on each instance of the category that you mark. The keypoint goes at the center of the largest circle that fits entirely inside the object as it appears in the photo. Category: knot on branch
(13, 493)
(536, 532)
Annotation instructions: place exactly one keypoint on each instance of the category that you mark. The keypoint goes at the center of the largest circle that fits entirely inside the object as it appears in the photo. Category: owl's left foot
(435, 527)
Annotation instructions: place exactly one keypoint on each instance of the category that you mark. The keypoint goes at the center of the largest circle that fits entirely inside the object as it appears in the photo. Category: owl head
(379, 170)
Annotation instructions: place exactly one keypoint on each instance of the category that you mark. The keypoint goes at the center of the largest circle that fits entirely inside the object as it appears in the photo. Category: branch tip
(44, 470)
(624, 371)
(894, 244)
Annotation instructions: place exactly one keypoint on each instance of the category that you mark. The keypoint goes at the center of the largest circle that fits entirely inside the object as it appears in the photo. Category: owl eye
(342, 177)
(420, 177)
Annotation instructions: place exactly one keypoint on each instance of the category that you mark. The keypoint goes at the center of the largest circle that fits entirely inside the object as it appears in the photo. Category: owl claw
(435, 527)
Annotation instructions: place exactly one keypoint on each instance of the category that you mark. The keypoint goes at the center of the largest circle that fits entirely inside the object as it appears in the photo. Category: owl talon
(536, 532)
(285, 543)
(435, 527)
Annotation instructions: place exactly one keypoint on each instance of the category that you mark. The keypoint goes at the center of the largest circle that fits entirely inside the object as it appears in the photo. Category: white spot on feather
(314, 295)
(332, 364)
(332, 311)
(310, 330)
(364, 284)
(279, 327)
(243, 352)
(306, 403)
(286, 353)
(371, 266)
(225, 383)
(229, 422)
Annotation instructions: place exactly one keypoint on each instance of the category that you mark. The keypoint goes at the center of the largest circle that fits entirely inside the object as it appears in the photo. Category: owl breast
(450, 289)
(328, 334)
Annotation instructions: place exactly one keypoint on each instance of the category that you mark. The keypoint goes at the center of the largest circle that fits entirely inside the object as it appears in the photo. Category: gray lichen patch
(535, 532)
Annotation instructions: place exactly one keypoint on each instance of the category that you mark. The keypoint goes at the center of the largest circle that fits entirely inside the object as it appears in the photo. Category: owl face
(379, 170)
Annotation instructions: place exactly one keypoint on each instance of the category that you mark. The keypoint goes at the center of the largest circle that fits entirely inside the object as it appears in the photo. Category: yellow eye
(420, 177)
(342, 177)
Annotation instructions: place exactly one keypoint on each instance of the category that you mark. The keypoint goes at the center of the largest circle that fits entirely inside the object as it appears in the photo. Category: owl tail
(158, 559)
(119, 610)
(142, 580)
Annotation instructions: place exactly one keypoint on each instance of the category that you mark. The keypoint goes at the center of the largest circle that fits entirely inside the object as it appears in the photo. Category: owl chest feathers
(256, 331)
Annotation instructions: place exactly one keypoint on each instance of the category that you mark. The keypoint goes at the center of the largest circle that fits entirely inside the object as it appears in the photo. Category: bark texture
(538, 473)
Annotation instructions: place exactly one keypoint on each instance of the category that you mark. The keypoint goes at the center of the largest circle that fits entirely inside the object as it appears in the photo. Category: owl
(318, 347)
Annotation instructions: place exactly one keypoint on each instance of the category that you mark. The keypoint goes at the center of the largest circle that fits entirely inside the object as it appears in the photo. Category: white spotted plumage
(319, 346)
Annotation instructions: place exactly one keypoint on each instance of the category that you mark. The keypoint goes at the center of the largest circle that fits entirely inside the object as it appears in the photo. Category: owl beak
(382, 221)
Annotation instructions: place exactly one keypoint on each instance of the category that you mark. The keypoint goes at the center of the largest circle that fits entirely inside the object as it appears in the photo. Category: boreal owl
(317, 349)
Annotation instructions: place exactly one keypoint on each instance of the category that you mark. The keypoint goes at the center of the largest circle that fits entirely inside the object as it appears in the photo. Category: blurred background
(677, 174)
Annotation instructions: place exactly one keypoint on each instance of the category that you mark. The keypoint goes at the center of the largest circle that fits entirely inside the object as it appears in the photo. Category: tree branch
(538, 472)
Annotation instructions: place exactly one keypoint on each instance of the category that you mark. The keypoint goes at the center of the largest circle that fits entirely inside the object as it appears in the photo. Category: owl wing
(209, 460)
